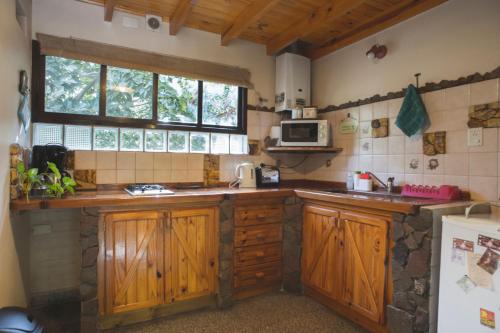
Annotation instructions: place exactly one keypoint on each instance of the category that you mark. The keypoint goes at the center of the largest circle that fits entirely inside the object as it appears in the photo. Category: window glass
(78, 137)
(105, 138)
(71, 86)
(238, 144)
(177, 99)
(200, 142)
(129, 93)
(131, 139)
(219, 143)
(156, 140)
(178, 141)
(220, 104)
(44, 134)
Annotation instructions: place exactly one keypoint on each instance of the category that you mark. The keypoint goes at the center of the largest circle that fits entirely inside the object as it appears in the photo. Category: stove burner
(147, 189)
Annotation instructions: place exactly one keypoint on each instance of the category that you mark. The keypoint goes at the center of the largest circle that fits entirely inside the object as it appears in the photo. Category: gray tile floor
(276, 312)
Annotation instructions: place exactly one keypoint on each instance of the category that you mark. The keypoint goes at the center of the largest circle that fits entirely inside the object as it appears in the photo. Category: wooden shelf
(303, 150)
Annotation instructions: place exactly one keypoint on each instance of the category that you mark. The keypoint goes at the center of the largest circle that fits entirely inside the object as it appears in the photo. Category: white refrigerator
(469, 286)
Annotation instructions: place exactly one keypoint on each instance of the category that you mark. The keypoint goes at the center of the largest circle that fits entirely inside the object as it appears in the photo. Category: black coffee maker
(48, 153)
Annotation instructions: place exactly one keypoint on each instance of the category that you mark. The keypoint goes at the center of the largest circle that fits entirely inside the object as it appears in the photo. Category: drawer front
(255, 215)
(256, 235)
(258, 254)
(258, 276)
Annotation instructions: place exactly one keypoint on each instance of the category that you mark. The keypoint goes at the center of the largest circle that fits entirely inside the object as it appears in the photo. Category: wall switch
(475, 137)
(41, 229)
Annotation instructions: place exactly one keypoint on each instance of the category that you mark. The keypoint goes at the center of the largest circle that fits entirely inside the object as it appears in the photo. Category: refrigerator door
(460, 311)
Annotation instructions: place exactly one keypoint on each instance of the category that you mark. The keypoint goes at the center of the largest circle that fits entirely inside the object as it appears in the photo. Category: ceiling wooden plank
(109, 8)
(181, 14)
(253, 12)
(379, 23)
(324, 14)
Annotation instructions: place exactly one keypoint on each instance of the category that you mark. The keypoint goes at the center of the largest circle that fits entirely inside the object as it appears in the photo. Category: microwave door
(300, 133)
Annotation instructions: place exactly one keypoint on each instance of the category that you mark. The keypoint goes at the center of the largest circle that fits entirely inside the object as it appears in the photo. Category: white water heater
(293, 82)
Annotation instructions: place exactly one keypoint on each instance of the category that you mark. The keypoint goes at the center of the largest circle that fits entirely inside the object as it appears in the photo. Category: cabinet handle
(259, 275)
(261, 216)
(260, 236)
(158, 275)
(259, 254)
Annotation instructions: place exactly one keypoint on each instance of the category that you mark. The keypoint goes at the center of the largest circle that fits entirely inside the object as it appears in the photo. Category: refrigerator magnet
(489, 261)
(480, 277)
(458, 256)
(487, 318)
(488, 242)
(463, 244)
(466, 284)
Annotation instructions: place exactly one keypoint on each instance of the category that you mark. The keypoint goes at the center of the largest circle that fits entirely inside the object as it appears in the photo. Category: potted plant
(57, 185)
(27, 179)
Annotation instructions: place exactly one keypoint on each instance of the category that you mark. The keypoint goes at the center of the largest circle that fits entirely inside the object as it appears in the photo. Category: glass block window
(129, 93)
(155, 141)
(178, 142)
(131, 139)
(105, 138)
(78, 137)
(199, 142)
(219, 143)
(220, 104)
(238, 144)
(177, 99)
(44, 134)
(71, 86)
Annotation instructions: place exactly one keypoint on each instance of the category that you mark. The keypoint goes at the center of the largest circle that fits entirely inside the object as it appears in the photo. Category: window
(105, 138)
(156, 140)
(131, 139)
(76, 92)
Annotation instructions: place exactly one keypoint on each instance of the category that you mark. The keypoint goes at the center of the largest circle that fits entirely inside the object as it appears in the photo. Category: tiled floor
(277, 312)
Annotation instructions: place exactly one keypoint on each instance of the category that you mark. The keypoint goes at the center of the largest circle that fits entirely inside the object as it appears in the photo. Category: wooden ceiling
(323, 25)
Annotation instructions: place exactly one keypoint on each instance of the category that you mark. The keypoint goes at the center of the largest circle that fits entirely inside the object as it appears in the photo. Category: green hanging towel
(412, 117)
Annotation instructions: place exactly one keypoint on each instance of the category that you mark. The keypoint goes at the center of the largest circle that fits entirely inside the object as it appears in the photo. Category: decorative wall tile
(365, 146)
(365, 129)
(380, 127)
(433, 165)
(211, 167)
(85, 179)
(434, 143)
(484, 115)
(414, 163)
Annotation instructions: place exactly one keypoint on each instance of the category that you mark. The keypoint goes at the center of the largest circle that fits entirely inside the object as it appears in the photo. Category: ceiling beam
(379, 23)
(314, 21)
(109, 7)
(253, 12)
(180, 16)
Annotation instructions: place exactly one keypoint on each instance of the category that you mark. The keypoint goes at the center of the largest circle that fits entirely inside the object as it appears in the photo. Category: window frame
(39, 114)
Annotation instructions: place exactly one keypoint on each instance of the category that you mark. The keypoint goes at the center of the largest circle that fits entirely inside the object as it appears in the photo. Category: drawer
(254, 215)
(256, 235)
(257, 276)
(257, 254)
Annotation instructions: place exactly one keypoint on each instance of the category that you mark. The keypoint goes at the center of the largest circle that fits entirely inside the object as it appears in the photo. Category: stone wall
(226, 237)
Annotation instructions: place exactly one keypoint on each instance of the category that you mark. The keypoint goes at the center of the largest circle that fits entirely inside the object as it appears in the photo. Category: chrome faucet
(390, 182)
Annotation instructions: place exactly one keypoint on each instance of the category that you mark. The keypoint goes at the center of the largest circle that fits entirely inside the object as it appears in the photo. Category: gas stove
(147, 189)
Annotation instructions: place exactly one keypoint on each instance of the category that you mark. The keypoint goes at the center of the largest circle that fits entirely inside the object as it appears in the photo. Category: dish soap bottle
(350, 181)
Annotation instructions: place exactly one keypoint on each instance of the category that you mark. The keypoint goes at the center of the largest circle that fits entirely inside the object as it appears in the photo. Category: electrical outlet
(475, 137)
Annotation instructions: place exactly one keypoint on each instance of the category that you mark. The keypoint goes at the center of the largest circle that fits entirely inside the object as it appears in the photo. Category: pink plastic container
(444, 192)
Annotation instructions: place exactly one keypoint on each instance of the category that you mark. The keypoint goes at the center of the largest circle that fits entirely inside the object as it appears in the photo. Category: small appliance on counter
(48, 153)
(245, 176)
(267, 176)
(305, 133)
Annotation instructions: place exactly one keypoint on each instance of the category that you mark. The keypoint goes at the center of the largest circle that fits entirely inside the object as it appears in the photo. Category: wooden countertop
(120, 198)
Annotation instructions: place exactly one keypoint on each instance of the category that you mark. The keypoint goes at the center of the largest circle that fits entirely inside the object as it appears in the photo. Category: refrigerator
(469, 285)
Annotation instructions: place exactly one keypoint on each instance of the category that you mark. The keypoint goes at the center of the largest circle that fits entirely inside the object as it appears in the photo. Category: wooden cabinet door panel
(192, 252)
(133, 260)
(256, 235)
(321, 251)
(365, 264)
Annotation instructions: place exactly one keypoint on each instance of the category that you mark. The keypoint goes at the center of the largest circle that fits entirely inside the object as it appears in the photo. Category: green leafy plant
(27, 179)
(58, 185)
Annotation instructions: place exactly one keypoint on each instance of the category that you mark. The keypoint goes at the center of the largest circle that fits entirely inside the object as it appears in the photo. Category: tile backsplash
(476, 169)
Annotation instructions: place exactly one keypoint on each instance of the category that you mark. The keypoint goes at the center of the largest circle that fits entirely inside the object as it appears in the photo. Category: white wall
(14, 57)
(455, 39)
(76, 19)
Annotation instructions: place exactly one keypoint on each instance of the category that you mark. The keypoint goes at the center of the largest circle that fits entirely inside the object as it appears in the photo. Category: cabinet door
(322, 251)
(365, 263)
(133, 260)
(192, 253)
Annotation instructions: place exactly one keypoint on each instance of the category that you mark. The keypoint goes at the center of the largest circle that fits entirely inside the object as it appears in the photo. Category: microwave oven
(305, 133)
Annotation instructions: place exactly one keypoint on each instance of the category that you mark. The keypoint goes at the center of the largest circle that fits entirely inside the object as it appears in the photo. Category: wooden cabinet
(152, 258)
(258, 235)
(344, 259)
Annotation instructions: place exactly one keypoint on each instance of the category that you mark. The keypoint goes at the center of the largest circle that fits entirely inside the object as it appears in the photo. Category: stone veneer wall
(292, 244)
(226, 237)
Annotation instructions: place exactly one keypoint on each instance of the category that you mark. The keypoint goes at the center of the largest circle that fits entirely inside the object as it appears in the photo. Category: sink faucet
(388, 186)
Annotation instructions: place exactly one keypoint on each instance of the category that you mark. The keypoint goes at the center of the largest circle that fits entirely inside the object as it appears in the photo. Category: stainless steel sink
(384, 194)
